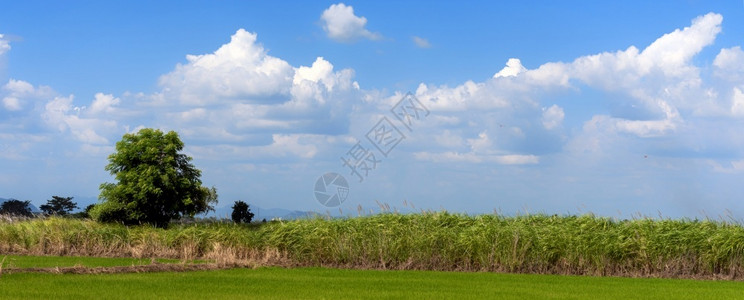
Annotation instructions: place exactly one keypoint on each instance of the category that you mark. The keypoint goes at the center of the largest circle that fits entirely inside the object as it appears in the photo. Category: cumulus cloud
(653, 94)
(19, 95)
(660, 80)
(469, 95)
(340, 24)
(60, 114)
(319, 80)
(513, 68)
(729, 64)
(241, 72)
(421, 42)
(239, 90)
(103, 103)
(16, 90)
(240, 69)
(669, 55)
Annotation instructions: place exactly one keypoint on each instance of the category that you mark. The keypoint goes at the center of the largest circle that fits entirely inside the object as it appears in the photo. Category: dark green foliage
(156, 183)
(241, 212)
(60, 206)
(85, 214)
(16, 208)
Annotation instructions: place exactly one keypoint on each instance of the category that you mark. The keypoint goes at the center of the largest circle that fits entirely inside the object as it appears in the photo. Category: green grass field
(19, 261)
(22, 261)
(320, 283)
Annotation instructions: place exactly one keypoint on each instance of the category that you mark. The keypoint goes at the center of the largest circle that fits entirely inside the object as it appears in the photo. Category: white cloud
(240, 69)
(670, 55)
(737, 107)
(421, 42)
(12, 103)
(4, 45)
(341, 25)
(469, 95)
(319, 80)
(51, 119)
(103, 103)
(596, 137)
(59, 113)
(482, 144)
(549, 75)
(552, 117)
(290, 144)
(18, 93)
(729, 64)
(661, 79)
(673, 51)
(513, 68)
(240, 88)
(652, 128)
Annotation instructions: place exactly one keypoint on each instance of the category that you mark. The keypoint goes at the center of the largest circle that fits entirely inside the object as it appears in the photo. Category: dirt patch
(127, 269)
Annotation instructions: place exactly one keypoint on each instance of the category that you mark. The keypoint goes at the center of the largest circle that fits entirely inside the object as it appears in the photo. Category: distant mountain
(263, 213)
(34, 209)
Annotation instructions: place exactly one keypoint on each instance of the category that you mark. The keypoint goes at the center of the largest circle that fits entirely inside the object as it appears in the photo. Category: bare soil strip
(126, 269)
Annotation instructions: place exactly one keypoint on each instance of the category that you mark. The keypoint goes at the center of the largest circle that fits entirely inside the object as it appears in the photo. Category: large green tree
(156, 183)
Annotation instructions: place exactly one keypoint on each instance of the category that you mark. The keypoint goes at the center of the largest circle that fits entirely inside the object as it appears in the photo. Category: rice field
(323, 283)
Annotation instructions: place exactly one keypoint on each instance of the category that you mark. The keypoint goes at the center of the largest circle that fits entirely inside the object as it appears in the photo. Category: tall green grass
(433, 241)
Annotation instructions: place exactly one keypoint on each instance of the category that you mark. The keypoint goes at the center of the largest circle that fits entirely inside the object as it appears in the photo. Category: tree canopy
(241, 212)
(155, 182)
(16, 208)
(60, 206)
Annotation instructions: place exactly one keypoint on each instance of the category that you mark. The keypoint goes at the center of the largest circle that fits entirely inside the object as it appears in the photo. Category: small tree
(16, 208)
(156, 183)
(60, 206)
(241, 212)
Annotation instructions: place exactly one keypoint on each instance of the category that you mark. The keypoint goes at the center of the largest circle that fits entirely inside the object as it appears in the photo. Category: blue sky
(616, 108)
